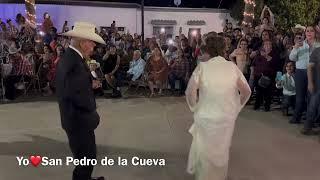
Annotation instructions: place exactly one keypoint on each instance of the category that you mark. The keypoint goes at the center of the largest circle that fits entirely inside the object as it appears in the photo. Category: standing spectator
(229, 47)
(4, 31)
(263, 75)
(187, 50)
(47, 60)
(13, 31)
(47, 23)
(288, 88)
(98, 54)
(301, 55)
(59, 52)
(179, 70)
(313, 110)
(241, 58)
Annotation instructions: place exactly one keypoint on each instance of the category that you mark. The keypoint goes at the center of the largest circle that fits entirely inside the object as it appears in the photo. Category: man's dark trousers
(82, 145)
(172, 81)
(301, 82)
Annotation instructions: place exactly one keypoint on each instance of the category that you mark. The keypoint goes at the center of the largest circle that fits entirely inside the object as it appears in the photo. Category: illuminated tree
(31, 12)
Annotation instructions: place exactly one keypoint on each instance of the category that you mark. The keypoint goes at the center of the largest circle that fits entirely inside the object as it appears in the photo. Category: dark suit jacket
(75, 94)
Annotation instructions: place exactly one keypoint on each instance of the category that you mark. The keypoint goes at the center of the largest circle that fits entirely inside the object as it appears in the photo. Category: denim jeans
(313, 111)
(301, 82)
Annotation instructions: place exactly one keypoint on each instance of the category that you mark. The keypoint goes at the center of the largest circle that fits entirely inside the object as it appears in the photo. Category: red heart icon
(35, 160)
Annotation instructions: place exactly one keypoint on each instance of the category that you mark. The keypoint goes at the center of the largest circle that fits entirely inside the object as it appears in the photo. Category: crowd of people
(277, 64)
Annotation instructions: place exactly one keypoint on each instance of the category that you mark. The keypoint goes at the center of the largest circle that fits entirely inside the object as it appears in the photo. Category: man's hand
(96, 84)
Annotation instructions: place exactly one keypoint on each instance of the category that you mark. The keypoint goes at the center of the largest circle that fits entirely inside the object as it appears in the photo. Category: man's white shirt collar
(76, 50)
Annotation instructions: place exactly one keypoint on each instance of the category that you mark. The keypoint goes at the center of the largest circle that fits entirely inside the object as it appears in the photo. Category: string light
(250, 2)
(248, 12)
(31, 18)
(29, 2)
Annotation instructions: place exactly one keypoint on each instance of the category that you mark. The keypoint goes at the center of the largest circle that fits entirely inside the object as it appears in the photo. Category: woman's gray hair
(137, 51)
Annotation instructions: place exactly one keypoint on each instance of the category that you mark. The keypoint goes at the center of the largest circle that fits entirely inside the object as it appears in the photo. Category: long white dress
(216, 107)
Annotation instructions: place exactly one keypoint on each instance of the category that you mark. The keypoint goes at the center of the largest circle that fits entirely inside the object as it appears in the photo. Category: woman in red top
(264, 65)
(59, 52)
(157, 69)
(45, 76)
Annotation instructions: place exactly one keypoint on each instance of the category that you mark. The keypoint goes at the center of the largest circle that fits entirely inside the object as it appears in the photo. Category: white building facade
(127, 16)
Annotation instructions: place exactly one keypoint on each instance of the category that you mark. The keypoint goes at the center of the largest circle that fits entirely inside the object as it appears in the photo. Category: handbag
(264, 81)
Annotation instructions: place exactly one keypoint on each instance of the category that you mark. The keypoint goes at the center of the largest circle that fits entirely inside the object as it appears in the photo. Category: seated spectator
(97, 76)
(137, 66)
(21, 72)
(157, 69)
(110, 66)
(286, 82)
(179, 71)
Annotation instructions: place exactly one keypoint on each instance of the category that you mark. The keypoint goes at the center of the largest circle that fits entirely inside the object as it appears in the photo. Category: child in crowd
(286, 82)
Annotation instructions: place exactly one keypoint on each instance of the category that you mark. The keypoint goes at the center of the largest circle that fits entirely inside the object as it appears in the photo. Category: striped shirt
(21, 66)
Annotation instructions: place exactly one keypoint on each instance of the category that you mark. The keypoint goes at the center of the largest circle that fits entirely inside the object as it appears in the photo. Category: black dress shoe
(294, 122)
(98, 178)
(309, 132)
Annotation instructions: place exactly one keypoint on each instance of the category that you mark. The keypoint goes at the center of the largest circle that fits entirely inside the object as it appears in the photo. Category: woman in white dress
(216, 93)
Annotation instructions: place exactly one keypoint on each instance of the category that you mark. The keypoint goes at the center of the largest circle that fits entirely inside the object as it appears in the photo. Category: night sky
(184, 3)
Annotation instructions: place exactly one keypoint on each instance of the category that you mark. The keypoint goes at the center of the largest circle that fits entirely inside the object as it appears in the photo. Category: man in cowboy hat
(77, 104)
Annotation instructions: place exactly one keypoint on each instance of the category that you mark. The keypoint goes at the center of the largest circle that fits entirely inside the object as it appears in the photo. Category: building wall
(214, 21)
(100, 16)
(125, 17)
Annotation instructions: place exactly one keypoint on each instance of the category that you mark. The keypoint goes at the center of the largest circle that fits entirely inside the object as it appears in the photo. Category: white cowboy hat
(298, 27)
(86, 31)
(94, 62)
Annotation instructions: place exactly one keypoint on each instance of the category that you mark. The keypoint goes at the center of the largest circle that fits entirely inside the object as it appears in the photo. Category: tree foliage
(287, 13)
(237, 10)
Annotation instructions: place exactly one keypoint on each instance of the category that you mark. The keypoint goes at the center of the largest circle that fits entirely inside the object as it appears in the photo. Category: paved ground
(265, 146)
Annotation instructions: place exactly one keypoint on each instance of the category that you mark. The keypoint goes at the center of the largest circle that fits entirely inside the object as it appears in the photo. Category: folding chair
(35, 79)
(141, 82)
